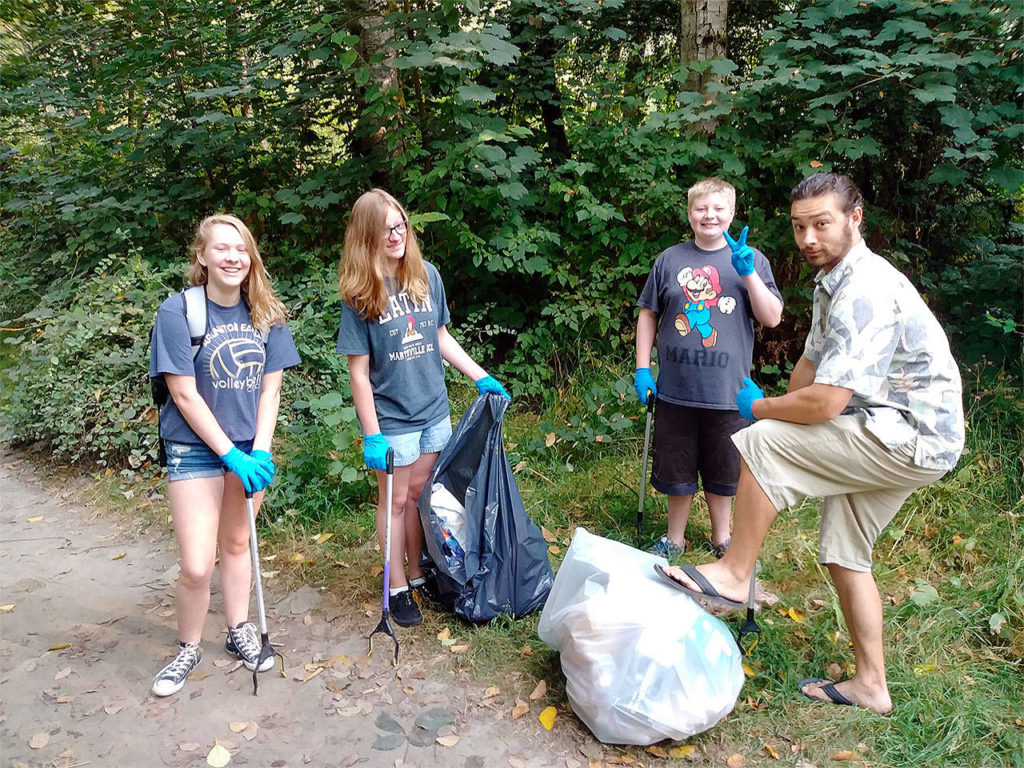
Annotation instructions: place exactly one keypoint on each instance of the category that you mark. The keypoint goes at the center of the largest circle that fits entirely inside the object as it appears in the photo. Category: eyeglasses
(399, 229)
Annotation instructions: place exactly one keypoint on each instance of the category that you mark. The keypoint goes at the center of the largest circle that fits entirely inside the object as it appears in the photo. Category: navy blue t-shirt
(228, 369)
(406, 369)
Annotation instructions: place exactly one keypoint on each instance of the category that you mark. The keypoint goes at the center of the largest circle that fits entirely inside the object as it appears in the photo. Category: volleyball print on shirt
(236, 357)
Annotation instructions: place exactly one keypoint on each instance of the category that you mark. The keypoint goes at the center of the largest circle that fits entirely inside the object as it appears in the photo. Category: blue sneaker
(667, 548)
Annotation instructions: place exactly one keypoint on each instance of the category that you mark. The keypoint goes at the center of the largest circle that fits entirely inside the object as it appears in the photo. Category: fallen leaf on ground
(59, 647)
(40, 740)
(251, 729)
(526, 650)
(736, 760)
(36, 519)
(847, 755)
(323, 537)
(796, 614)
(119, 556)
(682, 751)
(218, 757)
(520, 709)
(113, 709)
(491, 692)
(310, 675)
(772, 751)
(448, 741)
(459, 648)
(657, 751)
(549, 537)
(238, 726)
(539, 691)
(547, 718)
(747, 670)
(516, 762)
(188, 746)
(555, 550)
(7, 608)
(444, 634)
(62, 674)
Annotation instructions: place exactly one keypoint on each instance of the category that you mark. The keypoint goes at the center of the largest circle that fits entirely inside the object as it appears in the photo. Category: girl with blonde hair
(394, 334)
(216, 427)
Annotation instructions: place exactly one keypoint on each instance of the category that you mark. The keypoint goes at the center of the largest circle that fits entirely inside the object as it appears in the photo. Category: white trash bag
(642, 661)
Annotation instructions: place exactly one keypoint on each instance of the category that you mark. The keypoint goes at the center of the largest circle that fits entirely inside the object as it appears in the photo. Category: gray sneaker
(243, 642)
(171, 678)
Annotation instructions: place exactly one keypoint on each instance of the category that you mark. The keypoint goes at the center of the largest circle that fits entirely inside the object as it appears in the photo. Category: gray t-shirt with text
(406, 369)
(228, 369)
(705, 335)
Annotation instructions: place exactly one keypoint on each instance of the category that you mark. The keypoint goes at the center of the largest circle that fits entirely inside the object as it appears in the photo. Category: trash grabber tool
(385, 621)
(749, 626)
(266, 649)
(643, 468)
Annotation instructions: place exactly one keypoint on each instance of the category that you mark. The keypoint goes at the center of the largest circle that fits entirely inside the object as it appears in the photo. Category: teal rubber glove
(742, 254)
(375, 452)
(643, 383)
(263, 457)
(490, 384)
(254, 476)
(746, 398)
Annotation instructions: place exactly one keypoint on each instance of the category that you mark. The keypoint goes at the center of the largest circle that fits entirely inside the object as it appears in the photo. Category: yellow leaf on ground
(218, 757)
(323, 537)
(549, 537)
(7, 608)
(847, 755)
(119, 556)
(539, 691)
(549, 439)
(38, 519)
(297, 557)
(547, 717)
(796, 614)
(448, 741)
(815, 164)
(444, 634)
(657, 751)
(682, 751)
(772, 751)
(736, 760)
(747, 670)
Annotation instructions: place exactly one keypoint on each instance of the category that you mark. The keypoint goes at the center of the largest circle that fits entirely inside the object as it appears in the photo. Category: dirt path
(87, 619)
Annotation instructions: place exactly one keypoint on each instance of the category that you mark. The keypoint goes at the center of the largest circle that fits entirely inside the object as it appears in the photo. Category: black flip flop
(707, 592)
(829, 689)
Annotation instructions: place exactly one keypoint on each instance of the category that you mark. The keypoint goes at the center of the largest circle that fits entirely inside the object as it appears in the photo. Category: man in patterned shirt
(873, 411)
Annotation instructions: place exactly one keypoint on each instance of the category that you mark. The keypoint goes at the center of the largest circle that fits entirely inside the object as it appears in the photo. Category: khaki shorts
(862, 483)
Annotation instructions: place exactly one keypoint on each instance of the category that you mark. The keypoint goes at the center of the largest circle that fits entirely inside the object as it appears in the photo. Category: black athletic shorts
(695, 441)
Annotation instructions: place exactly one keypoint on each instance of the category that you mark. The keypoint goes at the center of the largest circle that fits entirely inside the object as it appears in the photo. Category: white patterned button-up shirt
(872, 333)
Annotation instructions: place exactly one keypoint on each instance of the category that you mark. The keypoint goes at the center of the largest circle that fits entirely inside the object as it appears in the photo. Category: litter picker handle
(643, 471)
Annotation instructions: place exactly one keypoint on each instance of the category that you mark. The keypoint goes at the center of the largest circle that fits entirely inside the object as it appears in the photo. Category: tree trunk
(702, 36)
(375, 36)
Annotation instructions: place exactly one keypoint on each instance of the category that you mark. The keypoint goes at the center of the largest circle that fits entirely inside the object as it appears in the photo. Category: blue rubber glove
(490, 384)
(643, 383)
(375, 452)
(263, 457)
(742, 254)
(746, 398)
(254, 476)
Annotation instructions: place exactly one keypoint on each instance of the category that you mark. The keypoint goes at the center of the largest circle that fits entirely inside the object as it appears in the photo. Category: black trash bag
(483, 553)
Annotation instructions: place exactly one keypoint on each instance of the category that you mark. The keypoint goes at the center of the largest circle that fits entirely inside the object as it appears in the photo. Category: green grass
(950, 569)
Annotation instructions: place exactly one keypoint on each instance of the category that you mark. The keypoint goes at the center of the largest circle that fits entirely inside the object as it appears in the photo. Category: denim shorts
(409, 446)
(189, 461)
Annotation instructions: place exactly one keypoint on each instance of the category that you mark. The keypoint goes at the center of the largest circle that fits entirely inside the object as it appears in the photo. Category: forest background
(544, 148)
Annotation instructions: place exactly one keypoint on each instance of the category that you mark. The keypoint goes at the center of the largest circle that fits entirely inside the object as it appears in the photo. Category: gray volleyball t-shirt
(228, 369)
(406, 369)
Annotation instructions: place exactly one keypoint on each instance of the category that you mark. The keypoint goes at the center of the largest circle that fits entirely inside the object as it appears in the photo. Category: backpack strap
(194, 301)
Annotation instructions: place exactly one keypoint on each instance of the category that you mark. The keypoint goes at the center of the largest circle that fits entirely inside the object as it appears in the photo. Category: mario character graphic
(703, 290)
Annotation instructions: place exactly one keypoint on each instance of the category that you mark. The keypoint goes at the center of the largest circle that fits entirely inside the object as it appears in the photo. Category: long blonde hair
(265, 309)
(361, 271)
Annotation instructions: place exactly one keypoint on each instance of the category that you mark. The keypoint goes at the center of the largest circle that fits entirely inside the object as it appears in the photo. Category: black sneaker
(243, 642)
(170, 679)
(404, 609)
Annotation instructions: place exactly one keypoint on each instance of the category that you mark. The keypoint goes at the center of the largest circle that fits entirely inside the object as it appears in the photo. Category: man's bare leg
(862, 608)
(753, 516)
